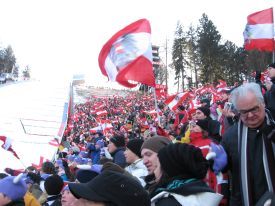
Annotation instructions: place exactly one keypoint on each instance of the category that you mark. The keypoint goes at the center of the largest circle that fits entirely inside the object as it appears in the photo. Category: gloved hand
(219, 156)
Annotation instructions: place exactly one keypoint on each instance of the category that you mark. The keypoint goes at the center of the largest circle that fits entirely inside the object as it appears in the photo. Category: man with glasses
(248, 146)
(270, 94)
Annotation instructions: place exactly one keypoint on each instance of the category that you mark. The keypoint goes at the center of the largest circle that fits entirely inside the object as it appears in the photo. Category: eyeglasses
(253, 110)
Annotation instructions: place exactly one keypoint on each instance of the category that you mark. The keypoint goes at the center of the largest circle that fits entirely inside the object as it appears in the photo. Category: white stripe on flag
(260, 31)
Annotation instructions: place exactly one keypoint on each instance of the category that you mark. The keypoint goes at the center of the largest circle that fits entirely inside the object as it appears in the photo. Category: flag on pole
(7, 145)
(127, 56)
(259, 31)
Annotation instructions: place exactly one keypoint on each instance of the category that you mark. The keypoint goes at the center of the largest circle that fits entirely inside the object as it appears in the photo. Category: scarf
(268, 159)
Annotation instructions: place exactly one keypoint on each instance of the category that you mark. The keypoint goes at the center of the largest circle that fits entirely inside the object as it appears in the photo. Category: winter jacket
(255, 160)
(138, 170)
(30, 200)
(189, 192)
(118, 157)
(270, 98)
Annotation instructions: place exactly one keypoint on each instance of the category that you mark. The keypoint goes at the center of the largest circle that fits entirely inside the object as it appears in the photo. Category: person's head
(149, 151)
(249, 102)
(53, 185)
(110, 188)
(271, 70)
(12, 188)
(133, 150)
(202, 113)
(67, 197)
(115, 142)
(181, 159)
(48, 168)
(205, 102)
(31, 178)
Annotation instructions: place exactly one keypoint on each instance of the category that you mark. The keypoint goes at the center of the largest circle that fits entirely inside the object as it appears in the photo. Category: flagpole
(156, 104)
(22, 163)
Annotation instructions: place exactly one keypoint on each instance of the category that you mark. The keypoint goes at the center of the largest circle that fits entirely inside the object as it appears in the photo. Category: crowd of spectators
(123, 151)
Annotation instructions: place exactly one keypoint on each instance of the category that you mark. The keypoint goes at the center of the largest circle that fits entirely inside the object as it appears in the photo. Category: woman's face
(68, 199)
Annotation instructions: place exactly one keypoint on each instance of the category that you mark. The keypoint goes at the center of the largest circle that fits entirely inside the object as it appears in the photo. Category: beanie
(155, 143)
(204, 110)
(53, 185)
(135, 146)
(203, 123)
(14, 187)
(118, 140)
(183, 159)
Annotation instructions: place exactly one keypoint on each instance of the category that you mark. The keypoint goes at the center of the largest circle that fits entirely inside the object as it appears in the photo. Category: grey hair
(242, 91)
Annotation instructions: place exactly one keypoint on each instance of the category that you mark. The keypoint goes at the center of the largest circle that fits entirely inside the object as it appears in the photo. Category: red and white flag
(127, 56)
(7, 145)
(259, 31)
(175, 100)
(101, 113)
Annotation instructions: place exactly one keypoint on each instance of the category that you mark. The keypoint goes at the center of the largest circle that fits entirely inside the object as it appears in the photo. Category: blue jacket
(119, 158)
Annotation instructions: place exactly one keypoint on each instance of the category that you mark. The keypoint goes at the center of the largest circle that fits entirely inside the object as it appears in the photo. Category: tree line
(202, 51)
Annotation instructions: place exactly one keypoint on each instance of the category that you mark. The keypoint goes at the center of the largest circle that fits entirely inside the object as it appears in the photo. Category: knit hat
(112, 187)
(203, 123)
(118, 140)
(53, 185)
(183, 159)
(14, 187)
(155, 143)
(135, 146)
(204, 110)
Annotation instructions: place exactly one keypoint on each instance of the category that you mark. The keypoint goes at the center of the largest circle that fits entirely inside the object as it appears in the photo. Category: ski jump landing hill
(33, 115)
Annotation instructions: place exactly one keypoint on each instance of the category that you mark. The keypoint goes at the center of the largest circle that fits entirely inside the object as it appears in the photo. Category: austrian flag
(127, 56)
(7, 145)
(259, 31)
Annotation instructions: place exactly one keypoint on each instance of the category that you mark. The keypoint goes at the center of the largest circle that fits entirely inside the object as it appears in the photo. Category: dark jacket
(119, 158)
(181, 187)
(270, 99)
(255, 160)
(56, 201)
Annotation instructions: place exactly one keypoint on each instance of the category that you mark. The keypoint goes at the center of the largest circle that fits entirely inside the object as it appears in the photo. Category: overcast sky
(57, 38)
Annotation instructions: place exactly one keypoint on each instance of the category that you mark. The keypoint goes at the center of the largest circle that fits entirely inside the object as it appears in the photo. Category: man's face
(149, 159)
(130, 156)
(199, 115)
(271, 72)
(111, 147)
(252, 112)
